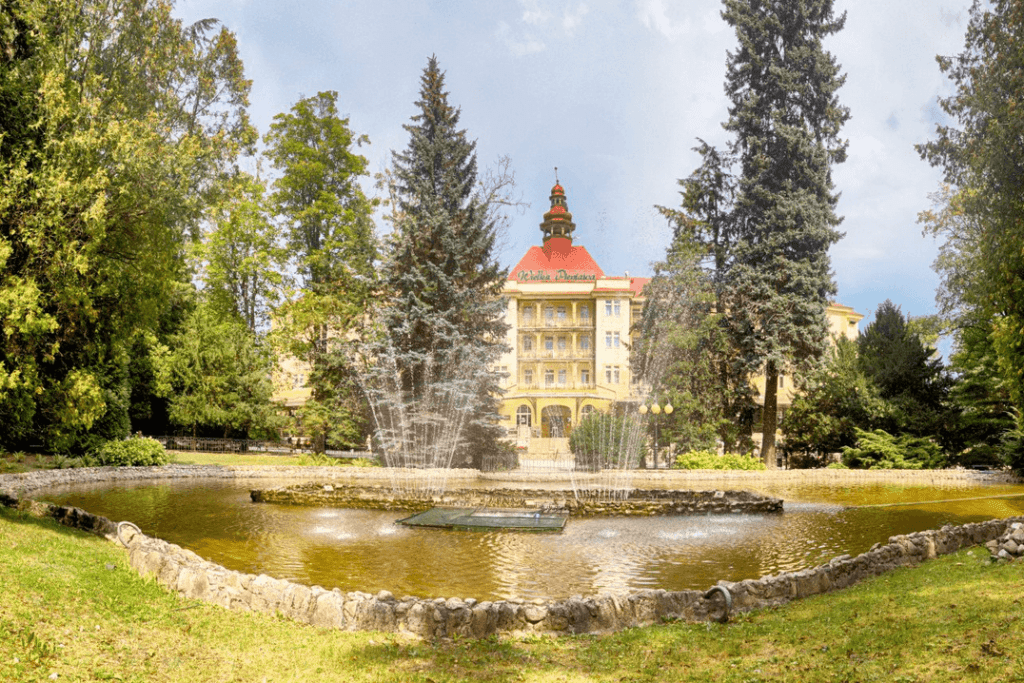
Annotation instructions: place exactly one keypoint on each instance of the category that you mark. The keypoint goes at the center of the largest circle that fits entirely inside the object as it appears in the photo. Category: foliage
(133, 452)
(330, 235)
(443, 315)
(710, 460)
(769, 225)
(831, 404)
(241, 260)
(982, 156)
(685, 351)
(216, 376)
(118, 123)
(504, 458)
(879, 450)
(607, 441)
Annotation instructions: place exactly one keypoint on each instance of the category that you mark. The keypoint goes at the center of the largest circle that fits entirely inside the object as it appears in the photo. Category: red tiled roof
(557, 255)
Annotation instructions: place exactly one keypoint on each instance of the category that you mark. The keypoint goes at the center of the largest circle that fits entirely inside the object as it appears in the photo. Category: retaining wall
(576, 503)
(193, 577)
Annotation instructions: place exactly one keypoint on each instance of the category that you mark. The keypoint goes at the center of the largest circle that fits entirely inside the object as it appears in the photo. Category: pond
(366, 551)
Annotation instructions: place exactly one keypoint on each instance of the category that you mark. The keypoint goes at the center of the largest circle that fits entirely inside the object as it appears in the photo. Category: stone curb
(193, 577)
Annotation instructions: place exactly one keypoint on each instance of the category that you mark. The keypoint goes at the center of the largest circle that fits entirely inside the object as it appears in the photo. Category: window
(587, 410)
(527, 376)
(504, 374)
(618, 308)
(585, 342)
(584, 376)
(549, 377)
(561, 344)
(561, 376)
(527, 342)
(528, 313)
(782, 380)
(584, 312)
(549, 313)
(615, 339)
(549, 343)
(615, 375)
(608, 340)
(608, 374)
(608, 307)
(560, 312)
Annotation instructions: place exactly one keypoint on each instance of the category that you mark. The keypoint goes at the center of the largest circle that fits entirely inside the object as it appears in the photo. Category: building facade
(569, 334)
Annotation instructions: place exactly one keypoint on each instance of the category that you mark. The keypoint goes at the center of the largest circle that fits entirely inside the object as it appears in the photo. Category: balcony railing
(556, 354)
(555, 386)
(532, 322)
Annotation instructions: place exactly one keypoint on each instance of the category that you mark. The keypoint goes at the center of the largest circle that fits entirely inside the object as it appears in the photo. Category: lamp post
(656, 410)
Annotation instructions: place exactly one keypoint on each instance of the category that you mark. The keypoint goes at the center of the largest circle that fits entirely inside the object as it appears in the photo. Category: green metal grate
(488, 519)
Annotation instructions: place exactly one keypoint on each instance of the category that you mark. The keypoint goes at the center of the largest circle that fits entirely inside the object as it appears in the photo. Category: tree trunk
(770, 415)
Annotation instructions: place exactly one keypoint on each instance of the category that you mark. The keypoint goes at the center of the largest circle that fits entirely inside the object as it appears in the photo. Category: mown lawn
(70, 606)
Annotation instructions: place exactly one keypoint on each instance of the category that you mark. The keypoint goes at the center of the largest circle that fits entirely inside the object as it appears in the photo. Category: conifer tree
(445, 317)
(785, 118)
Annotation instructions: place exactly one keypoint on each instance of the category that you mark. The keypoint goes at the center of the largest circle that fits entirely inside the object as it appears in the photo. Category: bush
(880, 450)
(504, 458)
(709, 460)
(602, 441)
(134, 452)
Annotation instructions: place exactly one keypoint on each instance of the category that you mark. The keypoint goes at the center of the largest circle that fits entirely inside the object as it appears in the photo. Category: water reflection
(365, 550)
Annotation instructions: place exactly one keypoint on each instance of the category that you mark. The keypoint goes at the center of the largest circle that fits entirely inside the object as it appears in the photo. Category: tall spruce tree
(786, 118)
(445, 318)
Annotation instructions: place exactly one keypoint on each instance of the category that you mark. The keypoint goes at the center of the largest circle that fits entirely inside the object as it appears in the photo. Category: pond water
(366, 551)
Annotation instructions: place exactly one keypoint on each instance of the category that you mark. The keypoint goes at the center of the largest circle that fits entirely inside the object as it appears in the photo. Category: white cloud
(533, 13)
(519, 45)
(654, 15)
(571, 18)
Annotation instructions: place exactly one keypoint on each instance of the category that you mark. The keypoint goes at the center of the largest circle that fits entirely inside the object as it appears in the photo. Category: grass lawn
(70, 606)
(26, 462)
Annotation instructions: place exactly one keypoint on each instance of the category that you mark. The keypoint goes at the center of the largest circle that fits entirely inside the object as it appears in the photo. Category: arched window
(587, 410)
(524, 416)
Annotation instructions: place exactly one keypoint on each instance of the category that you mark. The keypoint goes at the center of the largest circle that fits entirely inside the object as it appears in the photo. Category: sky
(615, 94)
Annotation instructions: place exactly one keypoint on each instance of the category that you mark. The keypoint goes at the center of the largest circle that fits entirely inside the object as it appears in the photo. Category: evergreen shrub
(604, 441)
(710, 460)
(134, 452)
(880, 450)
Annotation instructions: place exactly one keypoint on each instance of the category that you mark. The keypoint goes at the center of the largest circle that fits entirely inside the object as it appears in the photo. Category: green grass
(25, 462)
(70, 605)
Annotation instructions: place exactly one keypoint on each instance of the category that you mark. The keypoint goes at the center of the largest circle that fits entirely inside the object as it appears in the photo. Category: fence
(212, 445)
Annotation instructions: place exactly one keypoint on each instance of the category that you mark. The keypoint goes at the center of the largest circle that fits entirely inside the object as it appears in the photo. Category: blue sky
(615, 93)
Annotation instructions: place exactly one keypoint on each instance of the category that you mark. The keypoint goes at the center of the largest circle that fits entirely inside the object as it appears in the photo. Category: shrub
(880, 450)
(503, 458)
(709, 460)
(134, 452)
(836, 466)
(602, 441)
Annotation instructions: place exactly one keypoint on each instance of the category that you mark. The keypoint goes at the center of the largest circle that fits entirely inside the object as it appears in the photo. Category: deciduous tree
(330, 236)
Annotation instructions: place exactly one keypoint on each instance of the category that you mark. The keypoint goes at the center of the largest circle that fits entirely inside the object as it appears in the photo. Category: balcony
(556, 387)
(556, 354)
(534, 323)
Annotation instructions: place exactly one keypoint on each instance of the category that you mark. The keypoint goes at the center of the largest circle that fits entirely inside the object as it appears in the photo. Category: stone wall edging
(193, 577)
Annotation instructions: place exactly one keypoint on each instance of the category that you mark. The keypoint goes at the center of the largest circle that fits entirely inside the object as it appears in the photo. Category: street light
(656, 410)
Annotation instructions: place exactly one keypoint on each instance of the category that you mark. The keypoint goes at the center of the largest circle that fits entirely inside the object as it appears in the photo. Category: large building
(569, 332)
